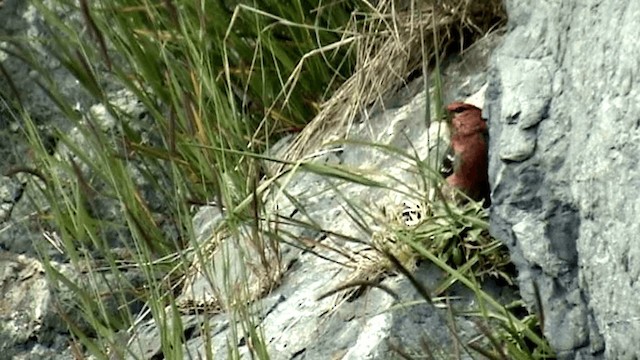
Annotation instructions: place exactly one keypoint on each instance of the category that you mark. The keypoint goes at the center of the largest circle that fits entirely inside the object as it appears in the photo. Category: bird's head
(467, 119)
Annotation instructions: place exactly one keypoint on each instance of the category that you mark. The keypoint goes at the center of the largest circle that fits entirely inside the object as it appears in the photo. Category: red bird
(469, 145)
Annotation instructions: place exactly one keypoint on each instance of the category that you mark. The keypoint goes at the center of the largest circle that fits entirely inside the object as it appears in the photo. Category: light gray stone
(563, 109)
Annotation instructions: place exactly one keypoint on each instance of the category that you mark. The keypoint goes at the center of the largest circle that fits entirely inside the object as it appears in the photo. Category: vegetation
(221, 82)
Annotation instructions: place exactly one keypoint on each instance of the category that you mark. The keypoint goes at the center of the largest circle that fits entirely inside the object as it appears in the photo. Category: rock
(216, 282)
(32, 314)
(564, 169)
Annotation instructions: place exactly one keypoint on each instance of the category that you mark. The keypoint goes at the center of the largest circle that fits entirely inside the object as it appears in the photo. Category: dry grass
(396, 44)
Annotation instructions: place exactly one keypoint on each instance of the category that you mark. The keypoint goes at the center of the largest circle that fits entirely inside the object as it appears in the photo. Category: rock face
(563, 105)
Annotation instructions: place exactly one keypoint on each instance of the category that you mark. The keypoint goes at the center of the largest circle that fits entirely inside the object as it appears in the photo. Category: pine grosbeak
(470, 159)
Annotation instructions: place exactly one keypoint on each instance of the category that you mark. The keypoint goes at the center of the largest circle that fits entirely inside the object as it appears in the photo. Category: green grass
(221, 84)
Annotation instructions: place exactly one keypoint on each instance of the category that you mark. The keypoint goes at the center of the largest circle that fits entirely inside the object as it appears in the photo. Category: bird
(469, 147)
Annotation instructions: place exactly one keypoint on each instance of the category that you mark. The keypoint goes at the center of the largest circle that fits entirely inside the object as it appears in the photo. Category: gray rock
(241, 268)
(31, 311)
(563, 110)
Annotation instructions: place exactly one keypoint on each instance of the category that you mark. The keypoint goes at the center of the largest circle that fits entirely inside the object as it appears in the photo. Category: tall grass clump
(217, 83)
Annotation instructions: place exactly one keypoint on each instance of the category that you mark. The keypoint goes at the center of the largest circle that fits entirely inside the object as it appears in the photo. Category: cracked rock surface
(563, 107)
